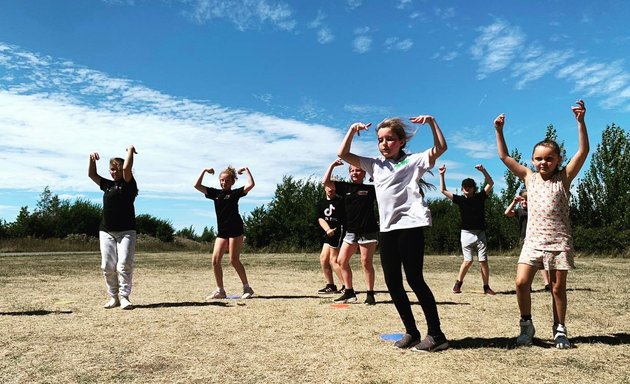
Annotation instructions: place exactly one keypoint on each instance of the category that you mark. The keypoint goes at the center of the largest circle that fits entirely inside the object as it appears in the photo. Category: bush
(601, 240)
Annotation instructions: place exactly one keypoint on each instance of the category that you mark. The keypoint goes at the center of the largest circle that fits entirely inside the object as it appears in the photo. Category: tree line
(600, 212)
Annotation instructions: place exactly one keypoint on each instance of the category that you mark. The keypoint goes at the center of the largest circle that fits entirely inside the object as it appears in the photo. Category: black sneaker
(348, 297)
(370, 299)
(457, 288)
(329, 288)
(342, 290)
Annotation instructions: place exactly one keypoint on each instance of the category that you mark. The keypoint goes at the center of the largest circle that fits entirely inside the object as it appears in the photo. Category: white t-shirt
(400, 202)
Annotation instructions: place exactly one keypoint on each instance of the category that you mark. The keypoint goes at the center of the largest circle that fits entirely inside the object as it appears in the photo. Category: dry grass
(54, 329)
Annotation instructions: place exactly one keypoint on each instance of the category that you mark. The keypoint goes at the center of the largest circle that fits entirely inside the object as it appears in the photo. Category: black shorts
(226, 233)
(336, 240)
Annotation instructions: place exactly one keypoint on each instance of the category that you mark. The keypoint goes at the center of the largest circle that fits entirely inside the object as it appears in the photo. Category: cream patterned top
(548, 226)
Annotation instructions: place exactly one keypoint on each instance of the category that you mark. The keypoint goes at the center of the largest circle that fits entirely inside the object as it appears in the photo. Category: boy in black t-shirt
(473, 234)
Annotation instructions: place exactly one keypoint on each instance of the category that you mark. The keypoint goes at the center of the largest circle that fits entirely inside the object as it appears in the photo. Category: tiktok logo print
(329, 211)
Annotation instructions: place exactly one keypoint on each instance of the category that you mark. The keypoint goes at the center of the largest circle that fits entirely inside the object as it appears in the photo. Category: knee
(216, 261)
(522, 284)
(467, 263)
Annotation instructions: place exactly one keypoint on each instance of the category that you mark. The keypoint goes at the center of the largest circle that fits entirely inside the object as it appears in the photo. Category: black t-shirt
(226, 208)
(333, 211)
(471, 210)
(359, 203)
(521, 215)
(118, 211)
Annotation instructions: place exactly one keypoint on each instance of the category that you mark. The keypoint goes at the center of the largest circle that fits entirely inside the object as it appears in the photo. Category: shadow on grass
(418, 303)
(292, 297)
(510, 342)
(37, 312)
(182, 304)
(542, 290)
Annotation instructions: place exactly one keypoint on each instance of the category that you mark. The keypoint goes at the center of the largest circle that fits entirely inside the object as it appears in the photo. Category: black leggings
(406, 247)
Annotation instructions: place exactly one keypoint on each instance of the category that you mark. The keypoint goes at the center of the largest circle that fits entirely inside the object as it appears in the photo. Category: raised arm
(198, 186)
(509, 211)
(327, 179)
(514, 166)
(439, 142)
(250, 179)
(344, 149)
(577, 161)
(92, 174)
(487, 177)
(443, 189)
(128, 164)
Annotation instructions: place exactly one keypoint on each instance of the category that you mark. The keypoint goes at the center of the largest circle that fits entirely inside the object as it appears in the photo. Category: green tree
(603, 198)
(152, 226)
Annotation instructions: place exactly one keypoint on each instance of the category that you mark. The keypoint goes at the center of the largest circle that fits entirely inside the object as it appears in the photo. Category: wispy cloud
(324, 33)
(353, 4)
(496, 47)
(395, 43)
(404, 4)
(244, 14)
(53, 113)
(503, 47)
(362, 43)
(360, 110)
(466, 140)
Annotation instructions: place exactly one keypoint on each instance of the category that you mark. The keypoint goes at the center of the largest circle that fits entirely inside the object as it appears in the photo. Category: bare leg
(558, 295)
(545, 276)
(485, 272)
(367, 261)
(524, 275)
(325, 263)
(345, 253)
(220, 246)
(334, 254)
(236, 244)
(463, 270)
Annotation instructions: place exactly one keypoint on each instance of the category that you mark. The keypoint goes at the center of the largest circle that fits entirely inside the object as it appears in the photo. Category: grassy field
(54, 329)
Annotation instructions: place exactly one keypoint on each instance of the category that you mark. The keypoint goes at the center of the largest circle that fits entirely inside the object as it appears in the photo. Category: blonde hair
(231, 171)
(398, 126)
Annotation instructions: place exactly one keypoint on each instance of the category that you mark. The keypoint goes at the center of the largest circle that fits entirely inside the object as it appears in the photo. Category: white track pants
(117, 254)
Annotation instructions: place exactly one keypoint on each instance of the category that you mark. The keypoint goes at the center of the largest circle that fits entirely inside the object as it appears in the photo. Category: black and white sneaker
(370, 299)
(329, 288)
(348, 296)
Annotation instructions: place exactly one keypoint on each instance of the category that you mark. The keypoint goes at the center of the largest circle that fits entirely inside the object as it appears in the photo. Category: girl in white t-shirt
(403, 214)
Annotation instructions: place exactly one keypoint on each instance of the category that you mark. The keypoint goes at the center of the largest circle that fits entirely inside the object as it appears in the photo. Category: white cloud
(362, 44)
(445, 13)
(539, 64)
(403, 4)
(366, 109)
(496, 47)
(244, 14)
(325, 35)
(394, 43)
(48, 132)
(353, 4)
(467, 141)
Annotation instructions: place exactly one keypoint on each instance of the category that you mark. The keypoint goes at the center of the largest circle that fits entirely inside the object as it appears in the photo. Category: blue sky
(273, 85)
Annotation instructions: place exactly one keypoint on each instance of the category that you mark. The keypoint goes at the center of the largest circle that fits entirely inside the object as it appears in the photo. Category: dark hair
(548, 143)
(469, 183)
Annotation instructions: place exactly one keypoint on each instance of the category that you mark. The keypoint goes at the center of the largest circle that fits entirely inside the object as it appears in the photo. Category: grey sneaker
(112, 303)
(407, 341)
(218, 293)
(125, 303)
(527, 333)
(560, 336)
(247, 293)
(431, 344)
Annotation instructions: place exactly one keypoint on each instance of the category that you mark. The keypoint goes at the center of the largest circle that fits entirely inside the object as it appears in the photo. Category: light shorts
(474, 240)
(547, 260)
(363, 238)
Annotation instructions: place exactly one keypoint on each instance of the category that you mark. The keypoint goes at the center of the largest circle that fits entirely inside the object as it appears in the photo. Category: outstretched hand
(337, 163)
(240, 171)
(579, 111)
(499, 122)
(480, 167)
(422, 119)
(209, 170)
(94, 156)
(132, 149)
(442, 169)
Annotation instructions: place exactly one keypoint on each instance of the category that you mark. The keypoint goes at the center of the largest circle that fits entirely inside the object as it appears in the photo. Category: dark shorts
(226, 233)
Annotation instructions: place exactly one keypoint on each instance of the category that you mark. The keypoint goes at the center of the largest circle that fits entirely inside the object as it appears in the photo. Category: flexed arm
(250, 179)
(327, 179)
(514, 166)
(577, 161)
(344, 149)
(443, 189)
(488, 178)
(92, 174)
(198, 186)
(128, 164)
(439, 142)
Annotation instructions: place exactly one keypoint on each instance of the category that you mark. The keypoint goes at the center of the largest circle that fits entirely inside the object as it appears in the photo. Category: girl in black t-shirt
(230, 234)
(117, 231)
(331, 217)
(361, 229)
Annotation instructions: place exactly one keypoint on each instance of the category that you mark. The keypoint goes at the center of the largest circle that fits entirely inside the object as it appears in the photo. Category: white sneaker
(560, 336)
(125, 303)
(247, 293)
(218, 293)
(527, 333)
(112, 303)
